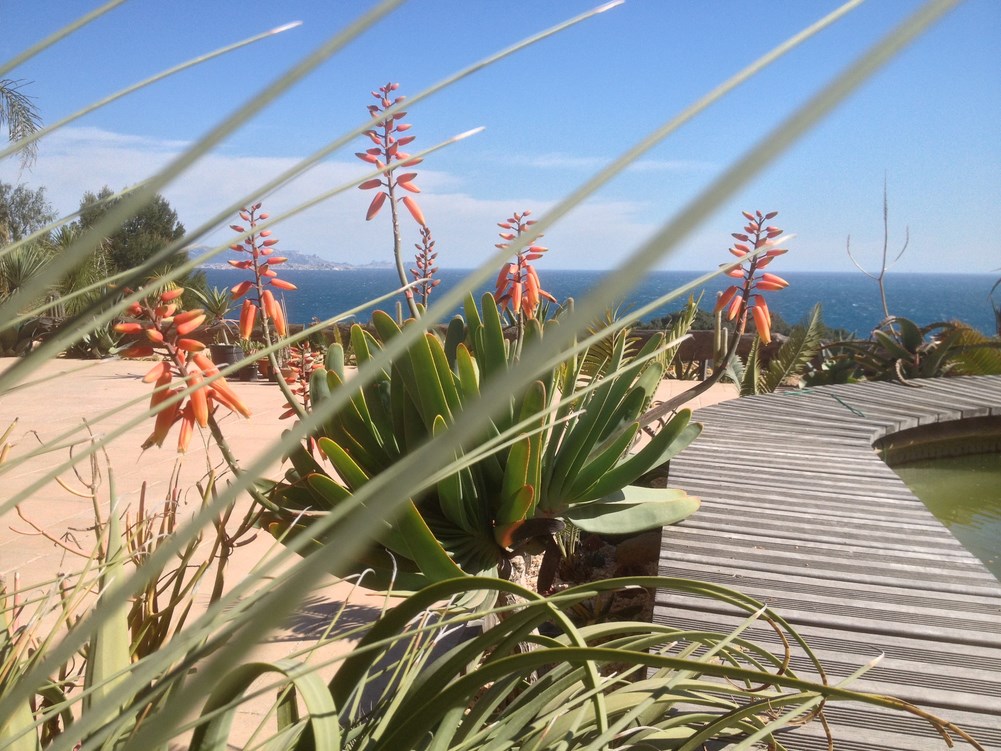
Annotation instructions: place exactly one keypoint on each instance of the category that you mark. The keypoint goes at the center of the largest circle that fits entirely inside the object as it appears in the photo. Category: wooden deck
(799, 512)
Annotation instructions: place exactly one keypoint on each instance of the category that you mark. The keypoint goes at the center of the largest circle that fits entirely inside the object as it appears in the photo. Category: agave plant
(558, 452)
(901, 350)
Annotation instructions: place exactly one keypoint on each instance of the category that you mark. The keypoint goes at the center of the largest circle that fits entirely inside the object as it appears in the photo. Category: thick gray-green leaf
(633, 509)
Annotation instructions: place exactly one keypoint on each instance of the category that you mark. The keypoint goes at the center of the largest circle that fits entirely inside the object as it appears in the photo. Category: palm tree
(19, 114)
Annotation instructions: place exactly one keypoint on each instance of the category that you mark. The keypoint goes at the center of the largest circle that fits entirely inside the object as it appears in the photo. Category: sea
(849, 301)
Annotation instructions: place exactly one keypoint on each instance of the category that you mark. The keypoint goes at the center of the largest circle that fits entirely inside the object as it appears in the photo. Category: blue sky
(553, 114)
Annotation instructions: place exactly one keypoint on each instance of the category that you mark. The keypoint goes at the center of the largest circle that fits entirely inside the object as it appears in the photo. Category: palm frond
(974, 353)
(680, 328)
(799, 349)
(19, 114)
(750, 382)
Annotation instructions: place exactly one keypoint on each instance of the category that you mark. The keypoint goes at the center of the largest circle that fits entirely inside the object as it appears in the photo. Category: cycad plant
(789, 363)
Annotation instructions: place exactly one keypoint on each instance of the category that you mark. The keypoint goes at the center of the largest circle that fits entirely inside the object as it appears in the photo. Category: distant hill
(297, 261)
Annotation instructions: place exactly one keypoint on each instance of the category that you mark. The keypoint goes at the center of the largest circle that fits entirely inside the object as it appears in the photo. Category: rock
(638, 551)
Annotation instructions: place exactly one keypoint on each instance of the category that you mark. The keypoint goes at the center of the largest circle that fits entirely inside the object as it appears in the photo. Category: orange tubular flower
(171, 294)
(239, 290)
(157, 372)
(518, 285)
(198, 399)
(161, 427)
(386, 153)
(268, 304)
(725, 297)
(183, 358)
(746, 297)
(279, 321)
(258, 244)
(424, 273)
(183, 329)
(187, 428)
(160, 390)
(762, 324)
(247, 317)
(190, 345)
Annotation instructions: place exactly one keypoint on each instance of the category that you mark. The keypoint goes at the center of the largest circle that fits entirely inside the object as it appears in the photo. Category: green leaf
(515, 478)
(893, 348)
(795, 354)
(455, 334)
(469, 373)
(446, 377)
(347, 468)
(456, 505)
(633, 509)
(224, 703)
(333, 359)
(473, 320)
(911, 337)
(666, 443)
(108, 657)
(494, 354)
(385, 325)
(426, 383)
(319, 386)
(597, 466)
(331, 490)
(533, 405)
(584, 435)
(975, 354)
(516, 509)
(750, 382)
(18, 732)
(425, 549)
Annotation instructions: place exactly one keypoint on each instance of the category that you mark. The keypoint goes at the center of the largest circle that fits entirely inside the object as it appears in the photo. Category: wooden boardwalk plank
(799, 512)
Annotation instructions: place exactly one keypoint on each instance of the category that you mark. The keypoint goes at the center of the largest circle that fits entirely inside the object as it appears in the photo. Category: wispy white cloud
(557, 160)
(77, 160)
(600, 234)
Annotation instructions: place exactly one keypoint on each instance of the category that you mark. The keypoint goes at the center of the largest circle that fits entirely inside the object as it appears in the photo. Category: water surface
(964, 493)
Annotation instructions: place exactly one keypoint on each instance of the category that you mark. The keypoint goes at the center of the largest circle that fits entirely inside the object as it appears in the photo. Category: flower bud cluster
(518, 286)
(738, 299)
(386, 153)
(260, 247)
(163, 329)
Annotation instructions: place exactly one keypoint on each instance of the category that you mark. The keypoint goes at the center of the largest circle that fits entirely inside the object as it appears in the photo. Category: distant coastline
(298, 261)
